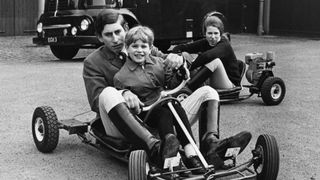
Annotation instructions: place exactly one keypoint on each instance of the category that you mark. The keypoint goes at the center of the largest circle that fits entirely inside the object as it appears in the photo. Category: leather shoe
(194, 162)
(170, 146)
(241, 140)
(217, 148)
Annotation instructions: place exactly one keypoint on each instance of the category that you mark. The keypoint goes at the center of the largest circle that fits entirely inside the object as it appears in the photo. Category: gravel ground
(31, 76)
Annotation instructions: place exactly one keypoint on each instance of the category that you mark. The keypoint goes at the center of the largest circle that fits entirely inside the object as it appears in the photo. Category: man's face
(113, 36)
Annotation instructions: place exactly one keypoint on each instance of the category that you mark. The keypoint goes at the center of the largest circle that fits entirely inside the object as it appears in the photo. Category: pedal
(74, 126)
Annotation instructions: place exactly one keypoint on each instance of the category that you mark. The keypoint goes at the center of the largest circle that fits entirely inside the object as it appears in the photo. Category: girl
(217, 60)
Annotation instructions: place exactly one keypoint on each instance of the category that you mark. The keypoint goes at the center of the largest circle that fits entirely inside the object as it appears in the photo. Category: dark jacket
(147, 80)
(207, 53)
(98, 71)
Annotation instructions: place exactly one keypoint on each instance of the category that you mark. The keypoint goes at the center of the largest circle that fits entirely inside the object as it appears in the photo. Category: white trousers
(110, 97)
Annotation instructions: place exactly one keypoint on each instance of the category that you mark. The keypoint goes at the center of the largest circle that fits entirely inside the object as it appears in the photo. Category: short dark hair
(108, 16)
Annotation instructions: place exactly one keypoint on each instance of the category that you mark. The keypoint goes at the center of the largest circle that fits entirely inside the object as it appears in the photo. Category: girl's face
(138, 51)
(213, 35)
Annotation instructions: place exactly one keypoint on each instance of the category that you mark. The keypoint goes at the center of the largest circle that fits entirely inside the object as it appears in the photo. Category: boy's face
(113, 36)
(138, 51)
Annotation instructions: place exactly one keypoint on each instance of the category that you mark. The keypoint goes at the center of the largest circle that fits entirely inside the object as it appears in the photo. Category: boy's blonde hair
(143, 33)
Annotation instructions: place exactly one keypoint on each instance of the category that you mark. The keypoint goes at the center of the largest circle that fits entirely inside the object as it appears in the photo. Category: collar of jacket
(112, 57)
(133, 65)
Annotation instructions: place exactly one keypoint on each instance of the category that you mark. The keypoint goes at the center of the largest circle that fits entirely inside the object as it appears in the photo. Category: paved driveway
(31, 76)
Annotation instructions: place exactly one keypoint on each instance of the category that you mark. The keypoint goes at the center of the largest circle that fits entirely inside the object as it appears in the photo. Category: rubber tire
(51, 129)
(269, 157)
(137, 165)
(266, 90)
(182, 94)
(64, 52)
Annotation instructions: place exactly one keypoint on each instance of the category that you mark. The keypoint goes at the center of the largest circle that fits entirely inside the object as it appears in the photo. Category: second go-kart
(262, 81)
(263, 165)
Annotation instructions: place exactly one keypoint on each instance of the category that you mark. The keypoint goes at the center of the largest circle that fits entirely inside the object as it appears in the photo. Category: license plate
(52, 39)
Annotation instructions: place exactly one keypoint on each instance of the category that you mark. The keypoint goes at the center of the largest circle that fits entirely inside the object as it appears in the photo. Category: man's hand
(173, 61)
(132, 101)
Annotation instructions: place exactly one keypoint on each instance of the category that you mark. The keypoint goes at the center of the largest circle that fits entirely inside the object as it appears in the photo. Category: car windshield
(87, 4)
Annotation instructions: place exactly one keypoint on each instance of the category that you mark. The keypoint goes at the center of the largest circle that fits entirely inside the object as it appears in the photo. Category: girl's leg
(219, 78)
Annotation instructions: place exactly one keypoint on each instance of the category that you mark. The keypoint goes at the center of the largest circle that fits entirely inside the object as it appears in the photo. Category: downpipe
(260, 20)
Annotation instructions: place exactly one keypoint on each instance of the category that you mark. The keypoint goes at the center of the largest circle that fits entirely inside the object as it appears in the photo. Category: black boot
(208, 128)
(216, 155)
(199, 78)
(132, 129)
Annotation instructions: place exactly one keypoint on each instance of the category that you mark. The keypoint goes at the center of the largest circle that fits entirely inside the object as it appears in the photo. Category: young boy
(146, 76)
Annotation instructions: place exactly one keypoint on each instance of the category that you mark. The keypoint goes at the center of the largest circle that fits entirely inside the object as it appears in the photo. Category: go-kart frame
(263, 165)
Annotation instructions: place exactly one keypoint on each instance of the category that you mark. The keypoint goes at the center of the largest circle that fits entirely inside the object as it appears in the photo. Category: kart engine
(257, 64)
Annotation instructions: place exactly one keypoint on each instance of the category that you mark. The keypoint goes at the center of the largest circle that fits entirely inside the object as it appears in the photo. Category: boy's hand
(133, 101)
(173, 61)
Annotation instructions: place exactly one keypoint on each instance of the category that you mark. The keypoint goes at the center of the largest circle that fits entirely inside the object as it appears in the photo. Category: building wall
(18, 17)
(295, 17)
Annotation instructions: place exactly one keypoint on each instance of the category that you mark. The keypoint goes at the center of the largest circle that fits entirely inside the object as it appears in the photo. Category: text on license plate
(52, 39)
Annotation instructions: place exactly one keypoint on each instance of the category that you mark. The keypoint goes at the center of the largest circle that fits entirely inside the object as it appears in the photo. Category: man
(115, 107)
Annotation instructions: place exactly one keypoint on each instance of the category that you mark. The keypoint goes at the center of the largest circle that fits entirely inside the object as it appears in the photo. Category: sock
(209, 134)
(189, 151)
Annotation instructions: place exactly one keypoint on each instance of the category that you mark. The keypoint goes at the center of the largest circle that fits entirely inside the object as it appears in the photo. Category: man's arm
(94, 83)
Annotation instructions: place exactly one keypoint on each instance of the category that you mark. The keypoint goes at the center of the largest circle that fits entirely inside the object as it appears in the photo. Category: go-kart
(263, 82)
(263, 165)
(270, 88)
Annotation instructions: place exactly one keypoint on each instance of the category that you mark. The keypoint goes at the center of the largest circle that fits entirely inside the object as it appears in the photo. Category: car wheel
(273, 91)
(45, 129)
(64, 52)
(266, 155)
(138, 165)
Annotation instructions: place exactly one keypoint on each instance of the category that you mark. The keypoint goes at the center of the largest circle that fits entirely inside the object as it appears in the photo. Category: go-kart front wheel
(138, 165)
(266, 153)
(273, 91)
(45, 130)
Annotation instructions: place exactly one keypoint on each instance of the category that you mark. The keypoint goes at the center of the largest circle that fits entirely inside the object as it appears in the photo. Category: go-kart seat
(99, 131)
(234, 92)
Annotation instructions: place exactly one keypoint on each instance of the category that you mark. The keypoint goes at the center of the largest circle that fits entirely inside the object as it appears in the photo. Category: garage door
(18, 17)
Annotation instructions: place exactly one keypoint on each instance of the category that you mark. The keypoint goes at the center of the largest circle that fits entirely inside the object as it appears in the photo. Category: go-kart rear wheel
(138, 165)
(267, 153)
(273, 91)
(45, 130)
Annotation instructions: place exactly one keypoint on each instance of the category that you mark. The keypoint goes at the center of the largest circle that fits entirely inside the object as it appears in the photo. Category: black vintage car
(67, 25)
